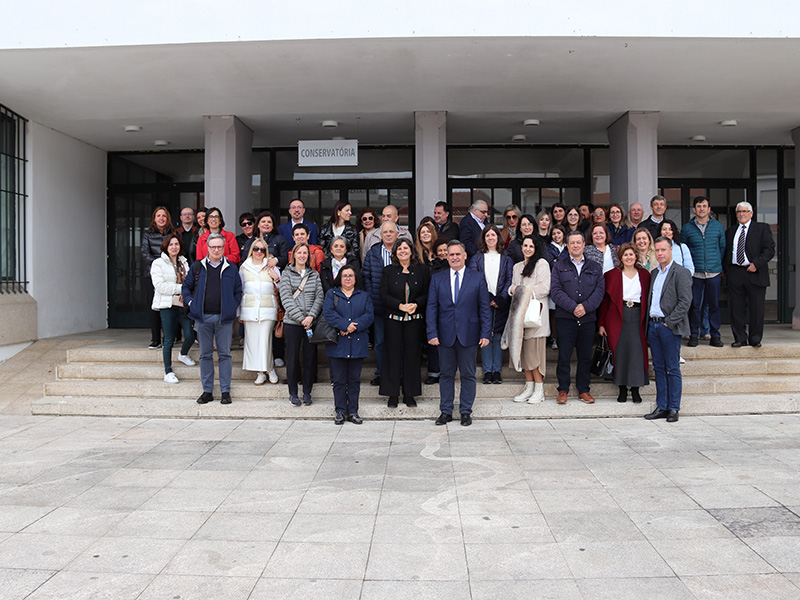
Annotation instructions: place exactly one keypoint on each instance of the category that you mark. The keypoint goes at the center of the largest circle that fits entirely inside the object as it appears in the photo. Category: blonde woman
(645, 248)
(259, 311)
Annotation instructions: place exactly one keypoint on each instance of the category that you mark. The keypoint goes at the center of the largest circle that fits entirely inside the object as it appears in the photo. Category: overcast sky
(59, 23)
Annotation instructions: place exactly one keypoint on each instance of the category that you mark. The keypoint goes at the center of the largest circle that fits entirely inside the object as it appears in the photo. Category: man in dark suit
(444, 224)
(668, 308)
(458, 321)
(472, 225)
(749, 249)
(297, 210)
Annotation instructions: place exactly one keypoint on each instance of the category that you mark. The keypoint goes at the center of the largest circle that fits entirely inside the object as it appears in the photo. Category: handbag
(321, 332)
(533, 314)
(602, 359)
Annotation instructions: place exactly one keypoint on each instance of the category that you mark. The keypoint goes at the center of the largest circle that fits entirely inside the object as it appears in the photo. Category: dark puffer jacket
(151, 247)
(568, 289)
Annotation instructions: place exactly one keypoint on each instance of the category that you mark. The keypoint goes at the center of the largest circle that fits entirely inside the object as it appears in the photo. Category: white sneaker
(554, 345)
(261, 379)
(681, 361)
(171, 378)
(184, 358)
(279, 362)
(526, 392)
(273, 376)
(538, 394)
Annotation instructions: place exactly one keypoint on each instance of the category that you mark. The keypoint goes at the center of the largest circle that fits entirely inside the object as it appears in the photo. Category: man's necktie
(456, 289)
(740, 247)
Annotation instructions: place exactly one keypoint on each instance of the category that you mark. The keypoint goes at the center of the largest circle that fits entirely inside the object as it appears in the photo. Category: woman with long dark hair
(368, 219)
(426, 238)
(618, 225)
(531, 277)
(495, 266)
(404, 294)
(267, 230)
(527, 226)
(150, 248)
(339, 225)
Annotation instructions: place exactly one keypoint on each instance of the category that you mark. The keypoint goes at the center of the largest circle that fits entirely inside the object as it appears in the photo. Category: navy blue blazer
(477, 263)
(470, 233)
(467, 321)
(286, 231)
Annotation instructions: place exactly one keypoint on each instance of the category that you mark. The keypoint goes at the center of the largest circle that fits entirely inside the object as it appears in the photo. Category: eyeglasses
(187, 214)
(347, 276)
(743, 211)
(246, 223)
(209, 217)
(216, 247)
(259, 249)
(367, 218)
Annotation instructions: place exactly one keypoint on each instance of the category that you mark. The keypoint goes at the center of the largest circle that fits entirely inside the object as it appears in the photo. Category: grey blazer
(676, 298)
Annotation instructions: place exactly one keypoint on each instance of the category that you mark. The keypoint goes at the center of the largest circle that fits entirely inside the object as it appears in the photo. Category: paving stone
(126, 555)
(91, 586)
(759, 522)
(197, 587)
(741, 587)
(330, 561)
(711, 557)
(221, 558)
(302, 589)
(634, 588)
(19, 583)
(426, 562)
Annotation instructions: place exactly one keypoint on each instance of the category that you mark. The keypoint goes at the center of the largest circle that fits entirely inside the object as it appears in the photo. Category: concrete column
(633, 140)
(228, 169)
(431, 160)
(796, 310)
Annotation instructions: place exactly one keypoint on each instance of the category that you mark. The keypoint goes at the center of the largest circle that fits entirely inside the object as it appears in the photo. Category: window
(13, 275)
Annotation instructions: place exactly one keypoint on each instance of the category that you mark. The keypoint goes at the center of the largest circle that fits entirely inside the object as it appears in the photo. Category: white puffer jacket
(165, 281)
(258, 293)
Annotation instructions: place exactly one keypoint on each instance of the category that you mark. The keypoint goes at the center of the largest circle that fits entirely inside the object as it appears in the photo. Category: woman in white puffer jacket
(168, 273)
(259, 311)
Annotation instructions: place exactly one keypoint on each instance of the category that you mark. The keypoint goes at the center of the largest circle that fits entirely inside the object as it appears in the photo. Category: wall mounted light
(729, 123)
(531, 122)
(132, 128)
(698, 138)
(330, 123)
(518, 138)
(161, 143)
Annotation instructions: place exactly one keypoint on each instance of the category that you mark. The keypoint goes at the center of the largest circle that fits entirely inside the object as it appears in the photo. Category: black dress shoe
(756, 344)
(488, 377)
(409, 401)
(737, 345)
(354, 419)
(466, 420)
(635, 395)
(226, 398)
(444, 419)
(623, 394)
(205, 398)
(716, 342)
(339, 418)
(672, 417)
(657, 414)
(376, 380)
(692, 342)
(498, 378)
(392, 402)
(431, 380)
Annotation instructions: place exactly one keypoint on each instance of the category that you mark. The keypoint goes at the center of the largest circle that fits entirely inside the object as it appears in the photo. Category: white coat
(258, 293)
(165, 281)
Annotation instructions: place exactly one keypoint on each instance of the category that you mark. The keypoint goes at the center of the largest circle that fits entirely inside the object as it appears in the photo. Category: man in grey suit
(668, 308)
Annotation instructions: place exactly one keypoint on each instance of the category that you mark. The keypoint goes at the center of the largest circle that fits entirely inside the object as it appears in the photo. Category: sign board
(327, 153)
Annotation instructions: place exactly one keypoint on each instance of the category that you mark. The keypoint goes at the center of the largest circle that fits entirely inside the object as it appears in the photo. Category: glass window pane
(673, 196)
(357, 199)
(530, 199)
(378, 198)
(502, 198)
(157, 167)
(788, 163)
(484, 163)
(460, 201)
(791, 251)
(703, 162)
(261, 181)
(767, 162)
(399, 198)
(601, 179)
(571, 197)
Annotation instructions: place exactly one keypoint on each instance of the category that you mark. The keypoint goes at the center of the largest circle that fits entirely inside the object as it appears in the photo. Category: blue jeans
(665, 348)
(705, 292)
(569, 335)
(461, 358)
(210, 332)
(170, 319)
(492, 355)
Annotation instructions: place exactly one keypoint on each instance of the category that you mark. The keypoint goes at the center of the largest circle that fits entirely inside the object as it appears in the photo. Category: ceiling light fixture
(729, 123)
(518, 138)
(531, 122)
(698, 138)
(132, 128)
(338, 138)
(330, 123)
(161, 143)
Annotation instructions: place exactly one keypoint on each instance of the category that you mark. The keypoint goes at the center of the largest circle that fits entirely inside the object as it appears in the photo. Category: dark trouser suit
(570, 334)
(742, 290)
(705, 291)
(297, 343)
(665, 348)
(346, 378)
(401, 365)
(462, 358)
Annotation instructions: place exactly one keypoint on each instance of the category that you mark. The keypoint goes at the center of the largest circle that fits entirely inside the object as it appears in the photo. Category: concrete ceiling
(283, 90)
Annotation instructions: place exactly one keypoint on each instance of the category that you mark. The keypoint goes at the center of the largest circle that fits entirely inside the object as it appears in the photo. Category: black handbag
(602, 359)
(321, 332)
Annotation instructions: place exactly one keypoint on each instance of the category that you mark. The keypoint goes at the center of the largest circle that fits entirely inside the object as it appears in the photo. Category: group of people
(449, 291)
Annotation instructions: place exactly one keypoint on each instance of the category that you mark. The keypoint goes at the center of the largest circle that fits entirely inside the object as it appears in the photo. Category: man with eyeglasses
(472, 225)
(187, 231)
(389, 213)
(749, 249)
(247, 221)
(444, 223)
(297, 210)
(212, 290)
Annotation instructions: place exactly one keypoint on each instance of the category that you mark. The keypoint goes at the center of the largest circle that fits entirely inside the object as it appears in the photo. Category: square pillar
(228, 168)
(430, 168)
(796, 227)
(633, 142)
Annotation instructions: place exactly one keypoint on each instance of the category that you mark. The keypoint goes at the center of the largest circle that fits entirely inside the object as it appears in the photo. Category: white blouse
(631, 288)
(491, 267)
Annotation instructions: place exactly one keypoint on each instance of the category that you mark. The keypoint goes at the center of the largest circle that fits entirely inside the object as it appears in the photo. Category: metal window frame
(14, 270)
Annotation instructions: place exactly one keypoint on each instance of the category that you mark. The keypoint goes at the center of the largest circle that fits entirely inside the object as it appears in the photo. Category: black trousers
(743, 291)
(402, 357)
(297, 344)
(346, 378)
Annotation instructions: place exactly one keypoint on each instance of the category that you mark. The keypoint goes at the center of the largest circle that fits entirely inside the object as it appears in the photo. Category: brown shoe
(562, 397)
(586, 397)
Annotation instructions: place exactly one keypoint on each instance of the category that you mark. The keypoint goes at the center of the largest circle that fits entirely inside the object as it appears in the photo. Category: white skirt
(258, 346)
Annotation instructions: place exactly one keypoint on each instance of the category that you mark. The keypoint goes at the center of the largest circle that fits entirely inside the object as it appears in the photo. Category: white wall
(66, 232)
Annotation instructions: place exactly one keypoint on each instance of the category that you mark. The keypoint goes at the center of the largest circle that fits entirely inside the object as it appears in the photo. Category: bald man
(389, 213)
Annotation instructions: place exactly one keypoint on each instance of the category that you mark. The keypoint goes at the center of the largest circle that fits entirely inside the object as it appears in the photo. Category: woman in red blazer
(622, 317)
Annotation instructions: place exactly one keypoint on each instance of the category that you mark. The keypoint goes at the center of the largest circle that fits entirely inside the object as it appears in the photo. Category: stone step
(374, 409)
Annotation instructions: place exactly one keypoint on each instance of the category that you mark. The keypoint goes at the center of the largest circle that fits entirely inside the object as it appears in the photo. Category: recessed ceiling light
(161, 143)
(518, 138)
(729, 123)
(330, 123)
(132, 128)
(530, 122)
(338, 138)
(698, 138)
